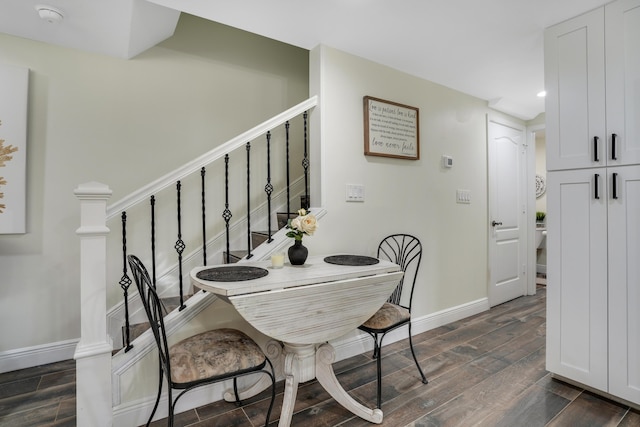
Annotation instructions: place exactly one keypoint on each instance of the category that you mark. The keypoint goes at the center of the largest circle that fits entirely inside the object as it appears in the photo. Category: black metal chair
(406, 251)
(206, 358)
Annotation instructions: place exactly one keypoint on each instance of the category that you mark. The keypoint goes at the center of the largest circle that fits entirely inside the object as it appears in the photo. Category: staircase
(118, 388)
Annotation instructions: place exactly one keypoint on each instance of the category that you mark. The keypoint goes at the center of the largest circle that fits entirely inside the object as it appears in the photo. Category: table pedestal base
(304, 363)
(325, 356)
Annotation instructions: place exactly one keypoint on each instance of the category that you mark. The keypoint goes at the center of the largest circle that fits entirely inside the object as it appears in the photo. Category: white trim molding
(352, 345)
(28, 357)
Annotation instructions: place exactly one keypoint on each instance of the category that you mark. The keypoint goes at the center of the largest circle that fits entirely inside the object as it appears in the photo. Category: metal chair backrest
(155, 311)
(406, 251)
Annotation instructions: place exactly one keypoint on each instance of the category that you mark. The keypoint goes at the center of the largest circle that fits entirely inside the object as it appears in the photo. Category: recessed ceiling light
(542, 94)
(49, 13)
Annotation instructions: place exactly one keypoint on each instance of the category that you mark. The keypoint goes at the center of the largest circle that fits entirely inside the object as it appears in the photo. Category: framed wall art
(14, 85)
(391, 129)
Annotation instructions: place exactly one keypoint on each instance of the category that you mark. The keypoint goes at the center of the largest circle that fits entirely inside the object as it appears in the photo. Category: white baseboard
(352, 345)
(136, 413)
(29, 357)
(449, 315)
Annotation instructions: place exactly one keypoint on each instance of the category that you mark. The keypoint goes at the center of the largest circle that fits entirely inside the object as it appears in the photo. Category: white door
(507, 210)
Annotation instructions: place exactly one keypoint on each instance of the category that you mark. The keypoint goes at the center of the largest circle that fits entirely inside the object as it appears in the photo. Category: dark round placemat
(351, 260)
(236, 273)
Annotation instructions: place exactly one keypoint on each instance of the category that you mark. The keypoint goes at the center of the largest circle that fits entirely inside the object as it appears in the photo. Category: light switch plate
(463, 196)
(355, 193)
(447, 161)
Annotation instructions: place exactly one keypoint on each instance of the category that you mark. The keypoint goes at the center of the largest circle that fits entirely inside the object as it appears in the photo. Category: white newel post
(93, 353)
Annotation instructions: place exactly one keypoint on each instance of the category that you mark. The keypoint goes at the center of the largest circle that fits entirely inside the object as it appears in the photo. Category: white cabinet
(577, 276)
(575, 82)
(624, 283)
(592, 77)
(593, 276)
(622, 57)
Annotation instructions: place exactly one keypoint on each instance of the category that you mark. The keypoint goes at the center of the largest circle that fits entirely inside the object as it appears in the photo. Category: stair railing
(224, 151)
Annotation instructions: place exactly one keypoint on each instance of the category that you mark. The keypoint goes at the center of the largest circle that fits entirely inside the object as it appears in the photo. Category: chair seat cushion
(214, 353)
(387, 316)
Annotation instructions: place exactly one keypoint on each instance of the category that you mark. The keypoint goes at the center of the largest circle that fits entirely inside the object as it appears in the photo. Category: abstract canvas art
(14, 87)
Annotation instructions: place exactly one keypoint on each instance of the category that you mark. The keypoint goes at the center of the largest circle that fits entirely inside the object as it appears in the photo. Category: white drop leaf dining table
(304, 307)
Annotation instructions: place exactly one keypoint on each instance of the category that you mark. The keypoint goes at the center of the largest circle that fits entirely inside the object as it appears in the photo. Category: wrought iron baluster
(286, 128)
(125, 282)
(269, 188)
(153, 240)
(305, 165)
(179, 246)
(204, 227)
(249, 254)
(226, 214)
(153, 246)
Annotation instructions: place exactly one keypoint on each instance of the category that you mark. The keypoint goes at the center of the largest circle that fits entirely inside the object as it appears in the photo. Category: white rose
(302, 212)
(308, 224)
(296, 223)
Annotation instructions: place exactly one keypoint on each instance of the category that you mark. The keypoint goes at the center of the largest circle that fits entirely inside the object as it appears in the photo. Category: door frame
(531, 205)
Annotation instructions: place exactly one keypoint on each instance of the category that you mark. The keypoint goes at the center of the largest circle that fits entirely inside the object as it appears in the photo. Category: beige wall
(123, 123)
(417, 197)
(94, 118)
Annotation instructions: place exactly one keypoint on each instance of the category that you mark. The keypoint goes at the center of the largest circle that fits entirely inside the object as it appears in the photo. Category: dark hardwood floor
(40, 396)
(487, 370)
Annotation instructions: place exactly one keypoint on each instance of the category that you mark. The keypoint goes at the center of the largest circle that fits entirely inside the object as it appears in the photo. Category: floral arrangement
(304, 223)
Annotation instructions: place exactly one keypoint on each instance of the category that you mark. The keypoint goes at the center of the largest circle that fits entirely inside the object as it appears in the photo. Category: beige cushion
(213, 353)
(388, 315)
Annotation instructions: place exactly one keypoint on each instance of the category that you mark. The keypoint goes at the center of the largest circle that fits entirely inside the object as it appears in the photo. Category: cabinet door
(624, 283)
(575, 85)
(577, 275)
(622, 40)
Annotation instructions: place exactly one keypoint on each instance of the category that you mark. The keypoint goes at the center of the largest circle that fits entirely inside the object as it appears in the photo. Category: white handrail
(216, 153)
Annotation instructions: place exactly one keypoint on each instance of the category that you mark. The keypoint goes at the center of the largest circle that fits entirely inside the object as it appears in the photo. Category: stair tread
(283, 218)
(137, 329)
(171, 303)
(264, 233)
(239, 253)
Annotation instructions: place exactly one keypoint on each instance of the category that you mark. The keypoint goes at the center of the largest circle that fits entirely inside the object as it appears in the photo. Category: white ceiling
(491, 49)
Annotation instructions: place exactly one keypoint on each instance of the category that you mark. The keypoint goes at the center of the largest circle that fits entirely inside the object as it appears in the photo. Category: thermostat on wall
(447, 161)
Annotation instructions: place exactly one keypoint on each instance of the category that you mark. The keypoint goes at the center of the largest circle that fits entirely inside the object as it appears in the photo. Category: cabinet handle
(495, 223)
(596, 179)
(595, 149)
(615, 185)
(613, 146)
